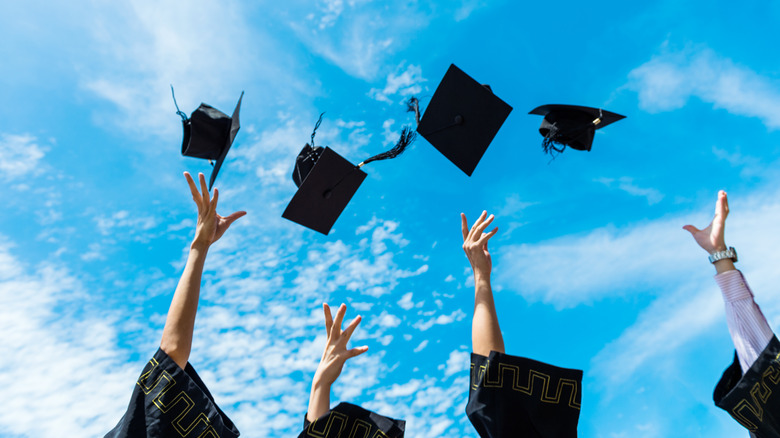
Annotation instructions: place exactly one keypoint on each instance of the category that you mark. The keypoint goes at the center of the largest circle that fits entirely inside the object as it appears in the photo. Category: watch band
(730, 253)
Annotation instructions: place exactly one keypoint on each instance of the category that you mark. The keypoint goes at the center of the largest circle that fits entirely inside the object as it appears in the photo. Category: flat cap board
(462, 119)
(325, 192)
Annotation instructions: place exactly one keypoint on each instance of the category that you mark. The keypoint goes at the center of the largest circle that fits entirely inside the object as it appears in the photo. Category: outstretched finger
(464, 226)
(476, 224)
(485, 237)
(194, 189)
(328, 318)
(691, 229)
(213, 205)
(339, 318)
(722, 206)
(351, 328)
(478, 231)
(204, 188)
(357, 351)
(232, 218)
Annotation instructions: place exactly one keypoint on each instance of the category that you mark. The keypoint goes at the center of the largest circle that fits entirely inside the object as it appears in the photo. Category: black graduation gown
(753, 399)
(351, 421)
(514, 396)
(170, 402)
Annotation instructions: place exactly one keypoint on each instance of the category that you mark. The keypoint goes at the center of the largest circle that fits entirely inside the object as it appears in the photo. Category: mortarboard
(462, 119)
(209, 133)
(571, 125)
(327, 182)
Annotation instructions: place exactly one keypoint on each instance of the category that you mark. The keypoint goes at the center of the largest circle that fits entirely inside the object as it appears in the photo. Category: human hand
(475, 243)
(211, 226)
(336, 353)
(712, 239)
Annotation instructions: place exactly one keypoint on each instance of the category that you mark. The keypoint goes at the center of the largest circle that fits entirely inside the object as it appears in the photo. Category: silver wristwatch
(730, 253)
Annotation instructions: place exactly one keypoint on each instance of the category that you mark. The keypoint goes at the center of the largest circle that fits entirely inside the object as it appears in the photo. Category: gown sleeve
(512, 396)
(170, 402)
(753, 399)
(351, 421)
(747, 325)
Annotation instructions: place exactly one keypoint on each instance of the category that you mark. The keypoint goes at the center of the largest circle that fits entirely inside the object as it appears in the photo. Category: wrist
(481, 278)
(200, 244)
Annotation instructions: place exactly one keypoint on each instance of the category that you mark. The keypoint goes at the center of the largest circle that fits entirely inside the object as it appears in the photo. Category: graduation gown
(514, 396)
(753, 399)
(351, 421)
(170, 402)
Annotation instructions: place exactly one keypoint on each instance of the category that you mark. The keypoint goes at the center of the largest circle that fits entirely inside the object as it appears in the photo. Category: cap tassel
(181, 113)
(549, 143)
(407, 138)
(413, 105)
(316, 126)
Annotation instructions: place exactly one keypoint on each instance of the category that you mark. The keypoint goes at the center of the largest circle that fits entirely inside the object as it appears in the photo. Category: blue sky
(592, 269)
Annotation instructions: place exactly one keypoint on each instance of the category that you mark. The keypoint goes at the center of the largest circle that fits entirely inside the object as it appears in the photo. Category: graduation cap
(208, 134)
(571, 125)
(327, 182)
(462, 119)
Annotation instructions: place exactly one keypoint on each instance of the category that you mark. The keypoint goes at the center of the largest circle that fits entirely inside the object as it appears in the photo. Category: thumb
(232, 218)
(691, 229)
(357, 351)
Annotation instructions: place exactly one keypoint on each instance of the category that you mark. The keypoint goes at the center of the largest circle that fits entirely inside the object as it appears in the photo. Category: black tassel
(549, 143)
(316, 126)
(407, 138)
(413, 105)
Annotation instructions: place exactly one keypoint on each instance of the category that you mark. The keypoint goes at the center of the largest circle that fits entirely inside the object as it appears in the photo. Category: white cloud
(457, 315)
(123, 219)
(52, 358)
(359, 36)
(669, 80)
(626, 184)
(406, 302)
(21, 155)
(421, 347)
(467, 7)
(691, 305)
(458, 362)
(206, 50)
(404, 84)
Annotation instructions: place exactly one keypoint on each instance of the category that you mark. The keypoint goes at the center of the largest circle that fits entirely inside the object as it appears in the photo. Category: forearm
(180, 323)
(485, 331)
(319, 400)
(748, 327)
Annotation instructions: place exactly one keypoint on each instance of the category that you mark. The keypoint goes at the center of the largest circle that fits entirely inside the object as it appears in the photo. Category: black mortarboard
(571, 125)
(208, 134)
(513, 396)
(753, 399)
(462, 119)
(326, 182)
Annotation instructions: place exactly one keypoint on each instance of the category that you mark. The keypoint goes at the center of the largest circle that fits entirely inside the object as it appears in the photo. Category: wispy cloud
(207, 51)
(403, 83)
(670, 79)
(366, 33)
(52, 357)
(21, 155)
(626, 184)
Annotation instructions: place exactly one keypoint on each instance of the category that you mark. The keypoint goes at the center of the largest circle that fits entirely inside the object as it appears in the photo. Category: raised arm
(747, 325)
(332, 362)
(485, 332)
(177, 335)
